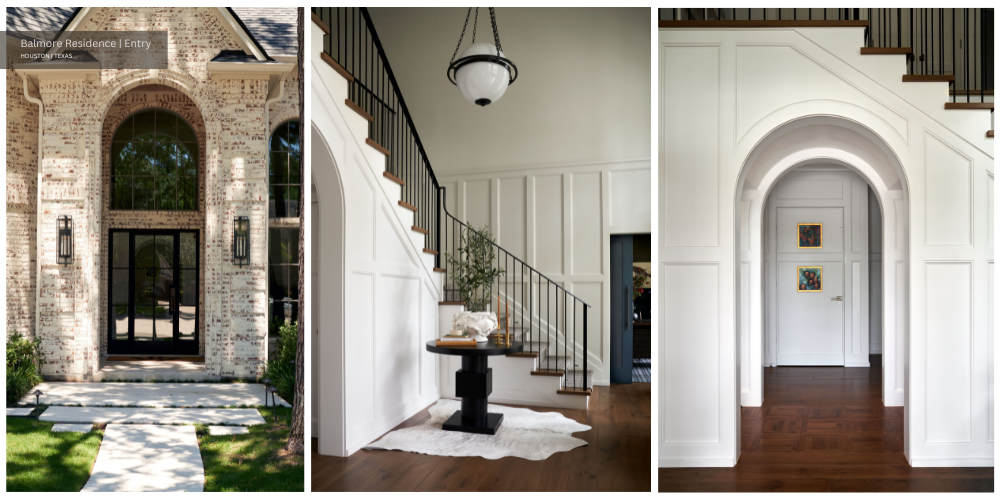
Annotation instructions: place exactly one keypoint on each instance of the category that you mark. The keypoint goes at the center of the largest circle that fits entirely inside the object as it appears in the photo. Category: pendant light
(482, 73)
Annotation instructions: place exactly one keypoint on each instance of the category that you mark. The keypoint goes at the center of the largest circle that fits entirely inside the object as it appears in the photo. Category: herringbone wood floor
(824, 429)
(617, 457)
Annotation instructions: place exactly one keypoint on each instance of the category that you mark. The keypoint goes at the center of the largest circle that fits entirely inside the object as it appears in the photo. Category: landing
(155, 369)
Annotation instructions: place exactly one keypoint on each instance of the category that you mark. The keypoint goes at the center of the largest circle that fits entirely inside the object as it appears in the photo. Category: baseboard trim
(667, 463)
(952, 462)
(857, 365)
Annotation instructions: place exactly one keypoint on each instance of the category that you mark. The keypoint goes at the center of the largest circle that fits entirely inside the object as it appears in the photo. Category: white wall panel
(360, 344)
(397, 339)
(477, 203)
(949, 195)
(690, 87)
(691, 412)
(549, 220)
(629, 205)
(586, 226)
(510, 233)
(949, 346)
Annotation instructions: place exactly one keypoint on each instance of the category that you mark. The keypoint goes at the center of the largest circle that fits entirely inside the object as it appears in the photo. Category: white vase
(476, 324)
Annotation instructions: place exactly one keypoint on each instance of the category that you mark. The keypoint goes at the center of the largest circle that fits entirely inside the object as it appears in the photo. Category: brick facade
(79, 116)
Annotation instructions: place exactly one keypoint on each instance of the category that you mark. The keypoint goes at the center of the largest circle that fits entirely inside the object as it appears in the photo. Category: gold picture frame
(813, 230)
(806, 283)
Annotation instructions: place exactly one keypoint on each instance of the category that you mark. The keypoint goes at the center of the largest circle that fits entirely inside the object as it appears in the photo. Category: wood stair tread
(420, 230)
(989, 133)
(575, 392)
(336, 66)
(439, 270)
(357, 109)
(432, 252)
(886, 50)
(451, 303)
(393, 178)
(929, 78)
(968, 105)
(523, 355)
(406, 205)
(378, 147)
(548, 373)
(319, 22)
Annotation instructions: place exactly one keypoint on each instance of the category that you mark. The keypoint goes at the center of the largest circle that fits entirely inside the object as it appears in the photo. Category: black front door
(153, 292)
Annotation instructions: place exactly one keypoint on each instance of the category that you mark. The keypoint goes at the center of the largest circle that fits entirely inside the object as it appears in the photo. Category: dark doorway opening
(631, 356)
(153, 288)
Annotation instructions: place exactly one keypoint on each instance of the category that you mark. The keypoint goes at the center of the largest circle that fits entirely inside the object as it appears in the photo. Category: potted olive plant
(472, 268)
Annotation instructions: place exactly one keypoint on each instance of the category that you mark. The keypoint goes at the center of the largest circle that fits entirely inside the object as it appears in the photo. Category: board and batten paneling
(559, 220)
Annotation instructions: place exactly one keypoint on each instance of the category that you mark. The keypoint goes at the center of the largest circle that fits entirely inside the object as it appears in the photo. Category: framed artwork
(810, 278)
(811, 235)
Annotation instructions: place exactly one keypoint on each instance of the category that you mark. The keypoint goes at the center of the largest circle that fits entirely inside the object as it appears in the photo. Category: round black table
(474, 383)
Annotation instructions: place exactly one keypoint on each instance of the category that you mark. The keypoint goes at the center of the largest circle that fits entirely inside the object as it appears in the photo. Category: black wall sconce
(64, 239)
(241, 241)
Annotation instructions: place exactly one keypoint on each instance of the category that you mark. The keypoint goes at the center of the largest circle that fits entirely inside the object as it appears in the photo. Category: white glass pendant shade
(482, 82)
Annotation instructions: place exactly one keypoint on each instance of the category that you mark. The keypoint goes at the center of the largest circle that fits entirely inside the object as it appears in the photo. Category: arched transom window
(284, 171)
(154, 163)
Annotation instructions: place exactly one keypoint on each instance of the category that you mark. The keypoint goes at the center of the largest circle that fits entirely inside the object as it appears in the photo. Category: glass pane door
(153, 292)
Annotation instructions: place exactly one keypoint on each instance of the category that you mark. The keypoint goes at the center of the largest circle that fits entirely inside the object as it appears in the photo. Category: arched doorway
(327, 299)
(153, 152)
(809, 141)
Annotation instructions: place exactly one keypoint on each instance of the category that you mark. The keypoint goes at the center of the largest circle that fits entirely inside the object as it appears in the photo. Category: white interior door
(828, 326)
(810, 322)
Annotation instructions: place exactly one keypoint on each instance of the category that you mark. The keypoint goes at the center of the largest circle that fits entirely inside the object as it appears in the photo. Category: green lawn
(40, 460)
(252, 462)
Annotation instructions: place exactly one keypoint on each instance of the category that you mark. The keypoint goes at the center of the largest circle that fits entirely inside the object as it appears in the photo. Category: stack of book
(456, 338)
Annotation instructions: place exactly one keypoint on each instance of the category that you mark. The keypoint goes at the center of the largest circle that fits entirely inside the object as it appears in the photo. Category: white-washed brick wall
(22, 197)
(79, 118)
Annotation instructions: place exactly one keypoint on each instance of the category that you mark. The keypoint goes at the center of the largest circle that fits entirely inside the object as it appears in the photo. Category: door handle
(173, 299)
(838, 298)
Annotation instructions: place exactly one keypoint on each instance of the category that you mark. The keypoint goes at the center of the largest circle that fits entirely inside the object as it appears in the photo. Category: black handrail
(354, 44)
(511, 286)
(970, 37)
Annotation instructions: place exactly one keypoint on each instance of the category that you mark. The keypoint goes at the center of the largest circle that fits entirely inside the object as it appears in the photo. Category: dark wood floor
(824, 429)
(617, 458)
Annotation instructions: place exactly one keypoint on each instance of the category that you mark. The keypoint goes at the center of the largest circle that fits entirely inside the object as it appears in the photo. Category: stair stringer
(513, 382)
(887, 70)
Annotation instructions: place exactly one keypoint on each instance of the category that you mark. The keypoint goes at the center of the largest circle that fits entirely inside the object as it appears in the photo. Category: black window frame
(147, 181)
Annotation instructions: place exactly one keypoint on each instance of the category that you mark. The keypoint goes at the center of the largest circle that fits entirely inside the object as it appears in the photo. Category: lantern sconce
(64, 239)
(482, 73)
(241, 241)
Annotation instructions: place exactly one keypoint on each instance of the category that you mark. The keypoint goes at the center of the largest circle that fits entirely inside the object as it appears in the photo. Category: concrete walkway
(167, 416)
(150, 394)
(148, 458)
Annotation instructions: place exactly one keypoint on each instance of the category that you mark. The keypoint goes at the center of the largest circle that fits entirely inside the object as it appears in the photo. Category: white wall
(874, 274)
(582, 95)
(374, 369)
(559, 220)
(721, 94)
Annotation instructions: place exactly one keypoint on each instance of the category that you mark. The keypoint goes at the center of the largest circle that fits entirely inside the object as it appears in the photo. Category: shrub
(23, 360)
(281, 370)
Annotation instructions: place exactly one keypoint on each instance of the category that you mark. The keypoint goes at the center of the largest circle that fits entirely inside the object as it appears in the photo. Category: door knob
(838, 298)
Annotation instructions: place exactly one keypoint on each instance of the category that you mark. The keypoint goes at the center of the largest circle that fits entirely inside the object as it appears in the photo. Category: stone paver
(148, 458)
(72, 428)
(77, 415)
(226, 430)
(151, 369)
(150, 394)
(19, 412)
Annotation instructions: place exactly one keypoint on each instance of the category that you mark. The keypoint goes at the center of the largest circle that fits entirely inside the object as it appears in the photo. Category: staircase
(946, 54)
(551, 322)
